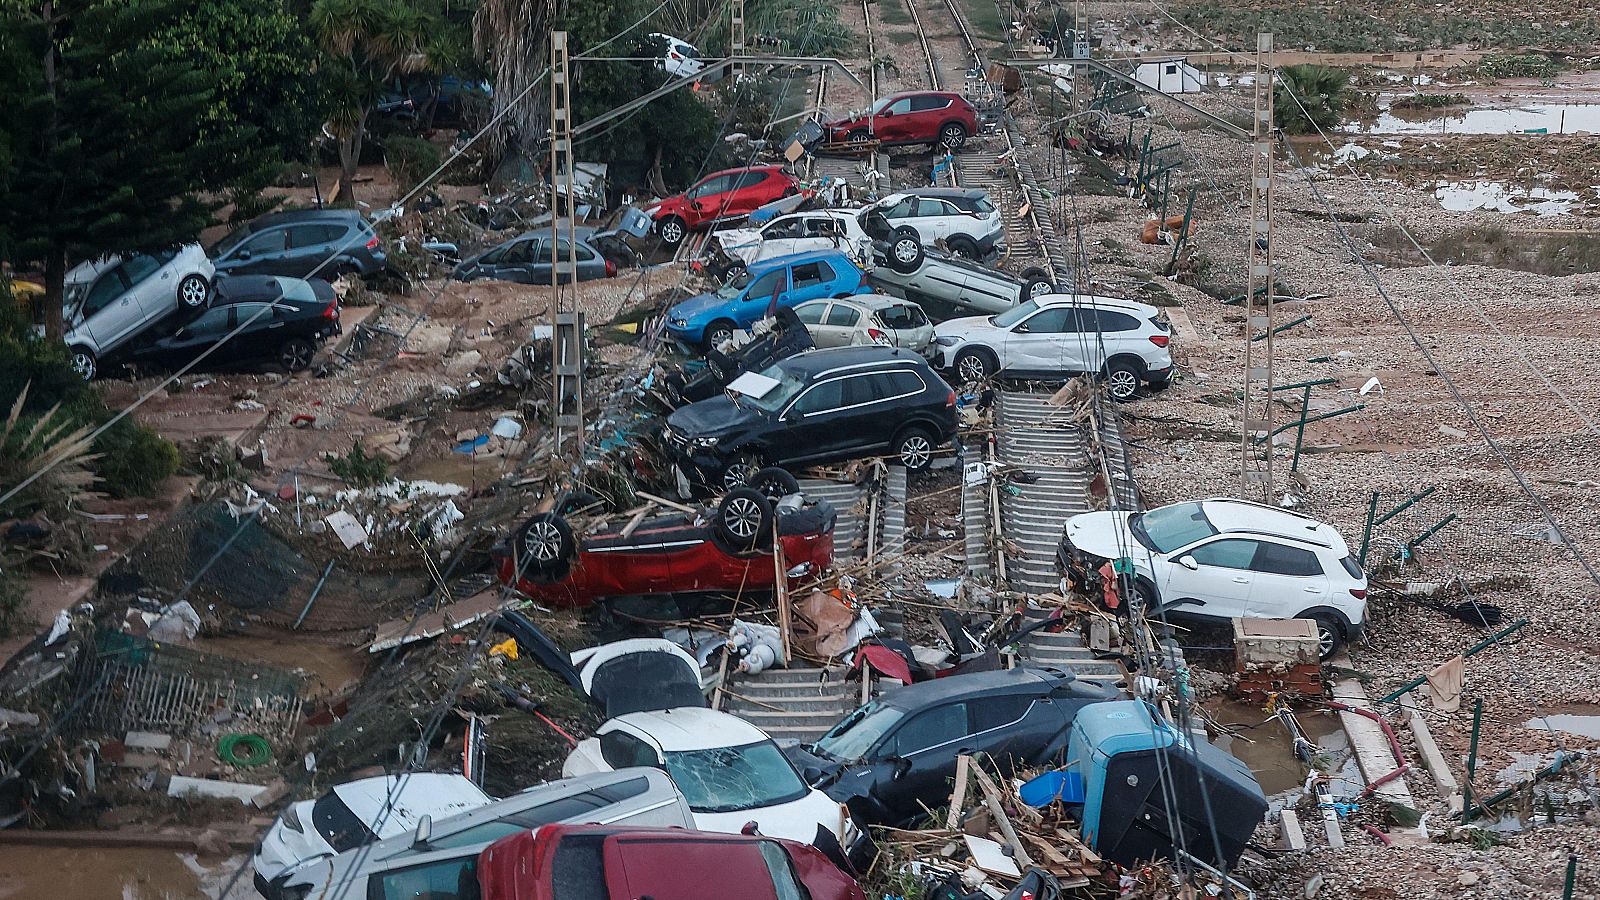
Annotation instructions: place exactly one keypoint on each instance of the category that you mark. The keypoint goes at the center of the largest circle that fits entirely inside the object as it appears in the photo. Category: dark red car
(726, 550)
(611, 862)
(721, 195)
(917, 117)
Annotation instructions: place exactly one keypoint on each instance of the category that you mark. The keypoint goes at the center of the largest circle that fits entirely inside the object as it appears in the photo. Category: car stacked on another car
(728, 194)
(284, 321)
(916, 117)
(948, 286)
(816, 407)
(709, 320)
(821, 229)
(867, 319)
(963, 218)
(1219, 559)
(107, 302)
(1061, 335)
(302, 243)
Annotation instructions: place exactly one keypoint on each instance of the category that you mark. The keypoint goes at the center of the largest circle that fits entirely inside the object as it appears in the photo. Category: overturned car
(776, 338)
(728, 549)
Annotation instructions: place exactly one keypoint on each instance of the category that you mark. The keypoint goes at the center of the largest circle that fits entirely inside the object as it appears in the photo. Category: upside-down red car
(729, 549)
(612, 862)
(728, 194)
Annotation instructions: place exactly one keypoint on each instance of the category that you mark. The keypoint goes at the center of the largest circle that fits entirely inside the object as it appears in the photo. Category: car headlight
(679, 323)
(947, 340)
(704, 443)
(291, 820)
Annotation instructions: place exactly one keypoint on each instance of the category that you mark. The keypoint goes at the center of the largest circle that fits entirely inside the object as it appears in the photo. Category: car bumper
(942, 356)
(688, 334)
(1162, 374)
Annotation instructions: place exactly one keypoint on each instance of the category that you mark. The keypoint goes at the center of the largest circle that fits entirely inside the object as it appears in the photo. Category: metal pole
(1255, 470)
(1572, 858)
(313, 598)
(1300, 429)
(1366, 533)
(1472, 761)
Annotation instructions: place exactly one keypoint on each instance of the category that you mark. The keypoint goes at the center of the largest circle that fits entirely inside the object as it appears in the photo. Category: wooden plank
(463, 612)
(637, 520)
(958, 797)
(992, 799)
(669, 504)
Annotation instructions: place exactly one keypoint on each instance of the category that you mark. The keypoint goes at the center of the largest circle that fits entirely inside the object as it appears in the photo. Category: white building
(1170, 76)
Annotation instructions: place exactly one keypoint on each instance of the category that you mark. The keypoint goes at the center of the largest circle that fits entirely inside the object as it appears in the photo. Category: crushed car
(946, 285)
(711, 319)
(108, 302)
(271, 319)
(774, 338)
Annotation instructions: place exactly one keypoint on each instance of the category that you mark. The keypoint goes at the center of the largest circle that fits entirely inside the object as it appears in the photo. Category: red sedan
(919, 117)
(610, 862)
(721, 195)
(682, 553)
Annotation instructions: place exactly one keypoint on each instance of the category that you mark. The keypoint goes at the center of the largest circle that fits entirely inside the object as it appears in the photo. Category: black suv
(297, 243)
(819, 406)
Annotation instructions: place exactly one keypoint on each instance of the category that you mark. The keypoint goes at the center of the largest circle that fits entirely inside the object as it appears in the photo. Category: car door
(310, 246)
(844, 324)
(758, 297)
(194, 338)
(894, 123)
(679, 868)
(151, 286)
(811, 281)
(1286, 580)
(1106, 333)
(813, 424)
(925, 746)
(812, 314)
(1043, 342)
(925, 114)
(750, 191)
(936, 219)
(263, 253)
(526, 261)
(1220, 580)
(1003, 727)
(705, 199)
(872, 409)
(108, 311)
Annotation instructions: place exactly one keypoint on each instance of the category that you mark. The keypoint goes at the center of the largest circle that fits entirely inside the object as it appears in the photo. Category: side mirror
(1188, 563)
(1020, 329)
(243, 254)
(812, 775)
(424, 831)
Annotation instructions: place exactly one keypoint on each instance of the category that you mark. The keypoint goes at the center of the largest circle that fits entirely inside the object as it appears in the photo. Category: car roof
(91, 268)
(1100, 301)
(973, 684)
(969, 193)
(818, 362)
(305, 215)
(735, 171)
(412, 796)
(921, 94)
(793, 259)
(865, 301)
(1241, 516)
(584, 232)
(693, 728)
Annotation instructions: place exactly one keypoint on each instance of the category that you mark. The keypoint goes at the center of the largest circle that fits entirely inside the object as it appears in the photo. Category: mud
(51, 873)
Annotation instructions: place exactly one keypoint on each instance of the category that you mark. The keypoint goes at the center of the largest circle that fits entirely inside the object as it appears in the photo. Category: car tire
(858, 136)
(1146, 592)
(775, 483)
(961, 245)
(913, 447)
(732, 270)
(193, 291)
(740, 471)
(717, 332)
(83, 362)
(905, 250)
(744, 519)
(1330, 635)
(975, 364)
(545, 543)
(1036, 283)
(295, 354)
(1122, 380)
(952, 135)
(672, 230)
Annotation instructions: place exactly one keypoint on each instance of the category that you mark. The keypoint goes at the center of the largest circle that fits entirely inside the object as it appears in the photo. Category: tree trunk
(55, 278)
(349, 159)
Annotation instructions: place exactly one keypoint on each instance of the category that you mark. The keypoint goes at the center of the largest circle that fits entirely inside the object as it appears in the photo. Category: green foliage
(14, 616)
(410, 159)
(1429, 101)
(1308, 98)
(1519, 65)
(357, 469)
(134, 459)
(1349, 28)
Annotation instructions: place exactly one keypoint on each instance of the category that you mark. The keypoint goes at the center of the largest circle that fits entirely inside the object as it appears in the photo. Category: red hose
(1373, 830)
(1394, 745)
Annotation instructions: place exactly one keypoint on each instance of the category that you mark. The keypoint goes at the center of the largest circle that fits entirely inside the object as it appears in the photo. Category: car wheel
(905, 250)
(974, 365)
(964, 246)
(1330, 637)
(83, 362)
(1122, 381)
(914, 448)
(858, 136)
(1146, 594)
(733, 271)
(775, 483)
(953, 135)
(1036, 283)
(744, 517)
(546, 542)
(671, 230)
(193, 291)
(740, 471)
(717, 332)
(295, 354)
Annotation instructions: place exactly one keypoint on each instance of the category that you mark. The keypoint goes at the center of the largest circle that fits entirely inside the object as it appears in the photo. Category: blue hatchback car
(707, 320)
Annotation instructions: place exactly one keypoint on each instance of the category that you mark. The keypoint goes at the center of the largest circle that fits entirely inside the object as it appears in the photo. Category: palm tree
(1319, 88)
(512, 38)
(367, 43)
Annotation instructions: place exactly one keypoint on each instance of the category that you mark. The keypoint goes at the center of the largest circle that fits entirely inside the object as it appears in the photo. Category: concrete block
(181, 786)
(1294, 837)
(147, 740)
(1274, 643)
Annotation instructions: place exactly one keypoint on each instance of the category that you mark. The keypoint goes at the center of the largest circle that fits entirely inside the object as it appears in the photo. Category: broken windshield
(859, 731)
(726, 779)
(1170, 527)
(789, 384)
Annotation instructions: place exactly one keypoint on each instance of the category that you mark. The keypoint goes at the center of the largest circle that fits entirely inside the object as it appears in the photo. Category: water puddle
(1268, 748)
(97, 873)
(1582, 726)
(1499, 196)
(1533, 118)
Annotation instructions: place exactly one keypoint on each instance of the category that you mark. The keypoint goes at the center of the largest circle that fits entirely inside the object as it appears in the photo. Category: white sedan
(730, 771)
(679, 58)
(821, 229)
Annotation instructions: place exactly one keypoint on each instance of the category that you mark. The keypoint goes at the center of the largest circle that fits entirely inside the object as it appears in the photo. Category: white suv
(821, 229)
(1219, 559)
(964, 218)
(1056, 335)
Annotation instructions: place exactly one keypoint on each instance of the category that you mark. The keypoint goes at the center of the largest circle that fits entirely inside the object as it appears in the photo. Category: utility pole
(736, 46)
(566, 323)
(1255, 468)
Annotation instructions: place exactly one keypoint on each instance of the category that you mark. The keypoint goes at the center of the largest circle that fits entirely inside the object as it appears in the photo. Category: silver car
(439, 858)
(109, 301)
(868, 319)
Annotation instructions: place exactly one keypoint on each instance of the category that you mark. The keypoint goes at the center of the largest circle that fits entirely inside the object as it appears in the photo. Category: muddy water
(1553, 118)
(1582, 721)
(330, 666)
(1269, 750)
(93, 873)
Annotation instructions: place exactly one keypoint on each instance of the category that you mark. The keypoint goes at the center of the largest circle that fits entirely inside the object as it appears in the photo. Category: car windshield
(73, 293)
(857, 732)
(227, 243)
(789, 384)
(1170, 527)
(1015, 314)
(726, 779)
(341, 828)
(733, 286)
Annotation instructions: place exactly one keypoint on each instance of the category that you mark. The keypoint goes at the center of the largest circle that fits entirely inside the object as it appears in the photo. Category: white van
(440, 859)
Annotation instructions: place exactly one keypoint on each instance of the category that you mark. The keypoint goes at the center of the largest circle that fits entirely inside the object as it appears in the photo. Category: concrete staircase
(1066, 650)
(798, 703)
